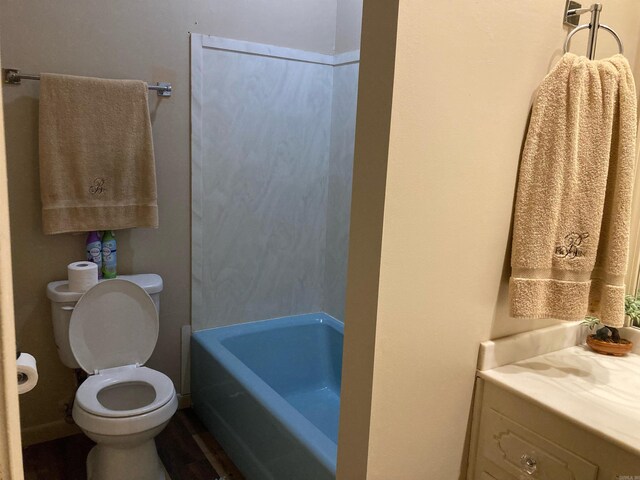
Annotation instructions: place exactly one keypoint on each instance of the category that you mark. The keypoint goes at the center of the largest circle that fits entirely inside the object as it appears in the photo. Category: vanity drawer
(525, 454)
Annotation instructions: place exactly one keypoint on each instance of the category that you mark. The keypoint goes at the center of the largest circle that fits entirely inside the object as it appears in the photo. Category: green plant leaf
(591, 322)
(632, 308)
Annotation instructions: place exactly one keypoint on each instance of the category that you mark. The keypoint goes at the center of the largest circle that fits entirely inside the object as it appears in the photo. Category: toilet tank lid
(59, 291)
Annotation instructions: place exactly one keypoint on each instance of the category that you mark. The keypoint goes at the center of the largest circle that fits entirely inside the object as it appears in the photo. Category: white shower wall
(272, 151)
(343, 130)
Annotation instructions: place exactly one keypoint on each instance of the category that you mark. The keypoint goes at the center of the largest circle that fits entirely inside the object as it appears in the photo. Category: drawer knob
(529, 464)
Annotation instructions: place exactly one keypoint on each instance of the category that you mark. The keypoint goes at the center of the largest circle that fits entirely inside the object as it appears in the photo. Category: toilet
(110, 332)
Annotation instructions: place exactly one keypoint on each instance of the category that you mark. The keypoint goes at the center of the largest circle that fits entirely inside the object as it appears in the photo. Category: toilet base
(140, 462)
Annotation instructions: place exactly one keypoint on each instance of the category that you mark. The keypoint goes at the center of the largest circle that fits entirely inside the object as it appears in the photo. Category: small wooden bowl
(610, 348)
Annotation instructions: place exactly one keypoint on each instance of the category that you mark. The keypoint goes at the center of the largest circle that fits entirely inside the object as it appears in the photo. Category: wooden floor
(186, 449)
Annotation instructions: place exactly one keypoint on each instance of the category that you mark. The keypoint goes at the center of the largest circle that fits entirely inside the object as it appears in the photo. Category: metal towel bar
(573, 9)
(14, 77)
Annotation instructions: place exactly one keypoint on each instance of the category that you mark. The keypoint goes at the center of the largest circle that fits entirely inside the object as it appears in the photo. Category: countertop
(598, 392)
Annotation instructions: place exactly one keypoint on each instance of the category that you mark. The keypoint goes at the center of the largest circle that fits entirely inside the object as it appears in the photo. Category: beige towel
(571, 225)
(97, 170)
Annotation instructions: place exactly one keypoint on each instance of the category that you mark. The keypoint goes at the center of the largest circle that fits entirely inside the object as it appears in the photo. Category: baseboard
(184, 401)
(47, 432)
(185, 363)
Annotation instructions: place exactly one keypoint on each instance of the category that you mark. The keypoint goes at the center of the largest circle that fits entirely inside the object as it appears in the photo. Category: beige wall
(145, 40)
(464, 77)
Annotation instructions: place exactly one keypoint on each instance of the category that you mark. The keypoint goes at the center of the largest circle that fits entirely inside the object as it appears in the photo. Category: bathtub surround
(272, 151)
(343, 126)
(578, 163)
(97, 168)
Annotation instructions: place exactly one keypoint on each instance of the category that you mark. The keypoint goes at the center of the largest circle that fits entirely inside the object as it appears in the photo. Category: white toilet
(110, 332)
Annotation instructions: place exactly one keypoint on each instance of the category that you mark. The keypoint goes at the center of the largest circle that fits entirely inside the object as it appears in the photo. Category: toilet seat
(88, 393)
(112, 331)
(115, 323)
(111, 427)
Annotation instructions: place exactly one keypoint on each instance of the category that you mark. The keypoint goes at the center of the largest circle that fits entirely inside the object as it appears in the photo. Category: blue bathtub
(269, 391)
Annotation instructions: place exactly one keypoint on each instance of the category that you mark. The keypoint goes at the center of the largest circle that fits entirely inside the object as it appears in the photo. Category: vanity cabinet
(514, 438)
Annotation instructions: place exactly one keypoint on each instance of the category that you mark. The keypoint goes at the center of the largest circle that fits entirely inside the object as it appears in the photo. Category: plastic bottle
(94, 251)
(109, 258)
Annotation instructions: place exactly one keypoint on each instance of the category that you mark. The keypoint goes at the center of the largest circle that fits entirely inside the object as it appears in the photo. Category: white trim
(184, 401)
(262, 49)
(197, 187)
(185, 361)
(346, 58)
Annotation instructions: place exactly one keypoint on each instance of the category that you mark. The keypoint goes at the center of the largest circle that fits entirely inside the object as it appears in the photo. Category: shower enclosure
(272, 155)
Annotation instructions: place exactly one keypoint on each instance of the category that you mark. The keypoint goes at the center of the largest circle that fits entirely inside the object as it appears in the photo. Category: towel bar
(14, 77)
(573, 10)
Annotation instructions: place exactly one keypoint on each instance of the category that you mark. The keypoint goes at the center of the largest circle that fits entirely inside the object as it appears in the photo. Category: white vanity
(547, 407)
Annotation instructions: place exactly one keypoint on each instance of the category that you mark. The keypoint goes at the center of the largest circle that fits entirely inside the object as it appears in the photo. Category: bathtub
(269, 391)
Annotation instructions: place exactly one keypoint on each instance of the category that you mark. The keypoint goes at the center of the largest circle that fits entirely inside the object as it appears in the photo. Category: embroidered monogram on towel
(570, 248)
(97, 187)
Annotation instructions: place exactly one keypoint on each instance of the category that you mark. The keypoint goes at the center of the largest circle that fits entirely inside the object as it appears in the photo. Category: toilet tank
(63, 301)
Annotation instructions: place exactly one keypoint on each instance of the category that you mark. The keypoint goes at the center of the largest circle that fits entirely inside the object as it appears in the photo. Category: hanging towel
(571, 225)
(97, 170)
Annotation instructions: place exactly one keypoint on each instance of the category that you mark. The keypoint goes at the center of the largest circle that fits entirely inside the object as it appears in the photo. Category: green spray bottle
(109, 256)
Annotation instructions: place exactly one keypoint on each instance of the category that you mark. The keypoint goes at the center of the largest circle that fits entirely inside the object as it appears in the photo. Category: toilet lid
(114, 323)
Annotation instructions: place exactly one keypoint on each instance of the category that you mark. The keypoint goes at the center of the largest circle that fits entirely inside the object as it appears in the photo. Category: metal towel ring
(582, 27)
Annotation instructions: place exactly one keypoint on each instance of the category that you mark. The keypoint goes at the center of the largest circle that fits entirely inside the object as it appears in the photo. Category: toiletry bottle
(109, 254)
(94, 251)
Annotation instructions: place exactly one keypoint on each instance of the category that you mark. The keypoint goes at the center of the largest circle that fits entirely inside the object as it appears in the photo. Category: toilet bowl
(122, 405)
(122, 409)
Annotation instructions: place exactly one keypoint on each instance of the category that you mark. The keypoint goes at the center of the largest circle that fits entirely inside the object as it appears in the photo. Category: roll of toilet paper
(27, 373)
(82, 276)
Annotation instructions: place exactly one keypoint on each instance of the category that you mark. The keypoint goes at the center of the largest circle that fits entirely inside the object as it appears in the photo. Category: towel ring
(582, 27)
